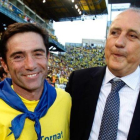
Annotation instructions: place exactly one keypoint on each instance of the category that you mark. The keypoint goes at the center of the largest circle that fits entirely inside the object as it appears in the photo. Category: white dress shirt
(128, 98)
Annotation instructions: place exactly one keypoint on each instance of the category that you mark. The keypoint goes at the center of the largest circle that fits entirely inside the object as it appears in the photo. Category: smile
(31, 75)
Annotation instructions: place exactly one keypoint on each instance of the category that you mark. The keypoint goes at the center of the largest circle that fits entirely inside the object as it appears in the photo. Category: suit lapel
(90, 98)
(134, 132)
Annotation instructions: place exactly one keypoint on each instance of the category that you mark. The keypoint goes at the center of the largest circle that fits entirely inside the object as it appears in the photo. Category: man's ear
(4, 65)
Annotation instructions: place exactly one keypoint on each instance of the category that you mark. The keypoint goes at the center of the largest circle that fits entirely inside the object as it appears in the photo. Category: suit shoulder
(87, 71)
(81, 77)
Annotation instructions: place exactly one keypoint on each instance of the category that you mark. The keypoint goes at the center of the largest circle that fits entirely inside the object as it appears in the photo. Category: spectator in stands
(99, 110)
(65, 80)
(49, 79)
(61, 79)
(10, 7)
(53, 78)
(28, 104)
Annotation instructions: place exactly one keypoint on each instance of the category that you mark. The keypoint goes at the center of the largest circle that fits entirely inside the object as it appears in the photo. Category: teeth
(31, 75)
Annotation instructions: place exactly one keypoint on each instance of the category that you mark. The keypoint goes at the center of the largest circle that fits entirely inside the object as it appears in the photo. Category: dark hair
(49, 78)
(21, 28)
(2, 72)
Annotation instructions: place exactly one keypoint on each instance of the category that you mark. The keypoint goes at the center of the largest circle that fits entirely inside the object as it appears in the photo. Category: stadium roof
(65, 10)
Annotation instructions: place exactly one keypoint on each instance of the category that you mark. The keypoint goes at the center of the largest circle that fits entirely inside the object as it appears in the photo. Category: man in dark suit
(90, 87)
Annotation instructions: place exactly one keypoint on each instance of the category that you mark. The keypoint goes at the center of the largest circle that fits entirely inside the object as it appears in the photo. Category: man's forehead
(25, 37)
(127, 14)
(27, 43)
(130, 17)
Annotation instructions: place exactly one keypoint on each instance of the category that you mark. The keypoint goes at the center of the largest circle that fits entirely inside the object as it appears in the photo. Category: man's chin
(31, 87)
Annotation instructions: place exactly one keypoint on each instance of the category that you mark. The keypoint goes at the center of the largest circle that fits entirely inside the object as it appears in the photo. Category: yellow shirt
(61, 80)
(54, 125)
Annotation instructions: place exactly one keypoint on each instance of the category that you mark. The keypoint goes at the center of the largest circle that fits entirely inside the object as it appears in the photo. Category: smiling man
(30, 109)
(106, 100)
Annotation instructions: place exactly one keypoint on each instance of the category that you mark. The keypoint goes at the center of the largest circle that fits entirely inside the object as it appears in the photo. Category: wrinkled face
(122, 49)
(26, 61)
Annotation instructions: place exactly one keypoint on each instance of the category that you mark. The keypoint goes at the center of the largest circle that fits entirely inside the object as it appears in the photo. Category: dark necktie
(109, 124)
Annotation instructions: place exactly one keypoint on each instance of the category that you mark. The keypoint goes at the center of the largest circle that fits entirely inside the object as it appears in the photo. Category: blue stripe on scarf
(8, 95)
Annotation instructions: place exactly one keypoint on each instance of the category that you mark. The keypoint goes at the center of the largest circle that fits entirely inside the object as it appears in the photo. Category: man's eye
(133, 36)
(17, 57)
(113, 32)
(38, 54)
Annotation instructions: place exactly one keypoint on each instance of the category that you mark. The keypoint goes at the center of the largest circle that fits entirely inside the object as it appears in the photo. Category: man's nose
(30, 63)
(120, 41)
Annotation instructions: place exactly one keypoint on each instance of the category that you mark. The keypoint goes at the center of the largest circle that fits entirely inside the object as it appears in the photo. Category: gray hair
(134, 9)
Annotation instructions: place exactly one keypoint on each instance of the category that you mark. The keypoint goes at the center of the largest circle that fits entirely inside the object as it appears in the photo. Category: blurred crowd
(85, 57)
(61, 66)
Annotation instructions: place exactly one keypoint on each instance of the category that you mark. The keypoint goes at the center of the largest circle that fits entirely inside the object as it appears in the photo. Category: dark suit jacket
(84, 87)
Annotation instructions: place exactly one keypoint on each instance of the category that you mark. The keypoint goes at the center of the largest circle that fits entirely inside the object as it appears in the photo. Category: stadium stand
(60, 66)
(25, 14)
